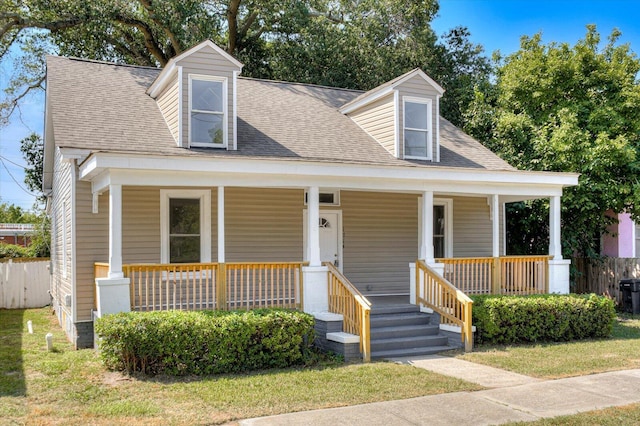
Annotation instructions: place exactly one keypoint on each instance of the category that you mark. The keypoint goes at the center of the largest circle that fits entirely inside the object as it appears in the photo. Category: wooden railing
(346, 300)
(498, 275)
(454, 307)
(100, 270)
(185, 286)
(194, 286)
(264, 285)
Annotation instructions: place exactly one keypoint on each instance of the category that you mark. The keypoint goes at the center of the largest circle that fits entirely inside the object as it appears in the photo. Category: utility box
(630, 289)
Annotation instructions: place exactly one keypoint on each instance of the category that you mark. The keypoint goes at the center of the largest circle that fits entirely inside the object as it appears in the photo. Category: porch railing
(194, 286)
(499, 275)
(454, 307)
(345, 299)
(263, 285)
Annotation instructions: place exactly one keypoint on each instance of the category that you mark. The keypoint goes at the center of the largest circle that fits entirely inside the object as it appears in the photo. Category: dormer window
(207, 111)
(417, 129)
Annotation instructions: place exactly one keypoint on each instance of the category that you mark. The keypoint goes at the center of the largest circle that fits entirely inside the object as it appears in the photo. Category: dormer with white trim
(402, 115)
(196, 93)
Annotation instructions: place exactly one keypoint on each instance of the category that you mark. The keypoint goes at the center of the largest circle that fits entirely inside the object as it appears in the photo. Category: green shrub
(13, 251)
(204, 342)
(513, 319)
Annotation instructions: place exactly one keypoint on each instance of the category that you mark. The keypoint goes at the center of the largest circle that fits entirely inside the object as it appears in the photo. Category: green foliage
(10, 213)
(206, 342)
(13, 251)
(32, 148)
(573, 109)
(515, 319)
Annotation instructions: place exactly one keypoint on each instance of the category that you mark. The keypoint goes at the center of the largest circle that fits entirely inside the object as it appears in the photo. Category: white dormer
(402, 115)
(196, 93)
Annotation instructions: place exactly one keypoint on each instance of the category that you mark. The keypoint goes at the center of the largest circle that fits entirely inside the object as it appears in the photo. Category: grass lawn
(72, 387)
(615, 416)
(556, 360)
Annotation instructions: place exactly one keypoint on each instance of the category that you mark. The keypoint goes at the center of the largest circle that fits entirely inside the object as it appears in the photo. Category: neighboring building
(622, 239)
(238, 176)
(16, 233)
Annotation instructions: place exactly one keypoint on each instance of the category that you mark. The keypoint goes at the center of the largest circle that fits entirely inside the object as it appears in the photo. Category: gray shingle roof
(104, 107)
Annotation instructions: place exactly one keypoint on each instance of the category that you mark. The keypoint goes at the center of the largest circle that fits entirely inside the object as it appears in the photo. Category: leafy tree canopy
(573, 109)
(345, 43)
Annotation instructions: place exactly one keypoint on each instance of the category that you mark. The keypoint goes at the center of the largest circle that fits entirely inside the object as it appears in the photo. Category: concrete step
(379, 345)
(399, 353)
(404, 331)
(395, 320)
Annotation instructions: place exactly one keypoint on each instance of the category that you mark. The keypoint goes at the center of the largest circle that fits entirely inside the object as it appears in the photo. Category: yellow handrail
(453, 305)
(346, 300)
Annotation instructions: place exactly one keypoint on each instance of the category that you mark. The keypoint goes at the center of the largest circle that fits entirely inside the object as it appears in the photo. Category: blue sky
(496, 24)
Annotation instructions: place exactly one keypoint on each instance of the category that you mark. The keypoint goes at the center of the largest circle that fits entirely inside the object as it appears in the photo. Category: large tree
(573, 109)
(345, 43)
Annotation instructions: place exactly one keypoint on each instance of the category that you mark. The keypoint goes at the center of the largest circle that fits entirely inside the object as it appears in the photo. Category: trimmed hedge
(514, 319)
(204, 342)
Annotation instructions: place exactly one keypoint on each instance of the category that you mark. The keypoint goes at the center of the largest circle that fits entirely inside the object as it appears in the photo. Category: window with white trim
(186, 226)
(417, 128)
(207, 111)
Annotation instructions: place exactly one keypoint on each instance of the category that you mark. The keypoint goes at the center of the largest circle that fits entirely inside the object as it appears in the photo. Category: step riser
(391, 332)
(410, 343)
(410, 309)
(392, 321)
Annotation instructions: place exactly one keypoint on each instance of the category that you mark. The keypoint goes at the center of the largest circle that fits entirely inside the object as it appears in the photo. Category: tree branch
(232, 22)
(149, 40)
(20, 22)
(175, 43)
(13, 104)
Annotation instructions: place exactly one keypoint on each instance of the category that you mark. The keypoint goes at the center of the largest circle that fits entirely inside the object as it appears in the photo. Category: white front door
(330, 224)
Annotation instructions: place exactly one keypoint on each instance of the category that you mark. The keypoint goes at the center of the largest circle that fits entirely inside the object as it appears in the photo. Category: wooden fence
(603, 276)
(24, 283)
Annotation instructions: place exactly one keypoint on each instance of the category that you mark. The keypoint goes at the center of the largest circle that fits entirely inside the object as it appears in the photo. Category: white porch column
(112, 293)
(495, 221)
(313, 216)
(115, 231)
(316, 286)
(426, 249)
(221, 253)
(555, 245)
(558, 267)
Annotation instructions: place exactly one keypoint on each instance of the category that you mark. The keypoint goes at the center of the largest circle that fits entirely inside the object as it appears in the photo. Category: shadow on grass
(12, 380)
(327, 363)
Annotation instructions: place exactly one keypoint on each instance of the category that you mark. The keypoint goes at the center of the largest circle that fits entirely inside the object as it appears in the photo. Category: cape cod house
(191, 187)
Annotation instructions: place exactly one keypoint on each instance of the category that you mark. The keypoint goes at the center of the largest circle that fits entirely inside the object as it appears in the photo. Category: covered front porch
(332, 244)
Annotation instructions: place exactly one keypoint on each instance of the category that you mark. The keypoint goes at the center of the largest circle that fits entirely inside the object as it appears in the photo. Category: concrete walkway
(513, 397)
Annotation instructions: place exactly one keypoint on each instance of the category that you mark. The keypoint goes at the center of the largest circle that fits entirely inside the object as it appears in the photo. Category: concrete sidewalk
(513, 398)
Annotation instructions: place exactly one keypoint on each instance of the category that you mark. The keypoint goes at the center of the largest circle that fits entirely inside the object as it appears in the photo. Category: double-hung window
(207, 111)
(186, 226)
(417, 129)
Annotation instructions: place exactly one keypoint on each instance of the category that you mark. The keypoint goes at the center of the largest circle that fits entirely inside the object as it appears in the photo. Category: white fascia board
(70, 154)
(366, 100)
(292, 181)
(253, 172)
(163, 79)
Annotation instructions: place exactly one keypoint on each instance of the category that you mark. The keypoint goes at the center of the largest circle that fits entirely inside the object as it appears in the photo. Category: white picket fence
(24, 283)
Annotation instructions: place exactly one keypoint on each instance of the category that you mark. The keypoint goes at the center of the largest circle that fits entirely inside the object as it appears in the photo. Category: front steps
(401, 330)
